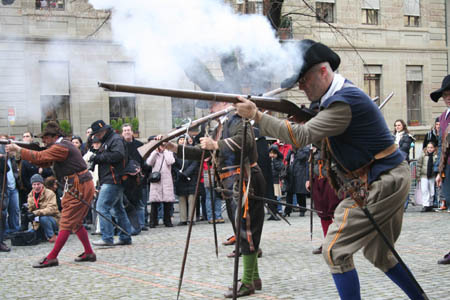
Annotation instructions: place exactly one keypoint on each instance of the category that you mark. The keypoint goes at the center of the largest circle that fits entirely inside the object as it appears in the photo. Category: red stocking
(60, 241)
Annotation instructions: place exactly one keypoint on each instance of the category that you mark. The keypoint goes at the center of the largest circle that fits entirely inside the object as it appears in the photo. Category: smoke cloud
(168, 38)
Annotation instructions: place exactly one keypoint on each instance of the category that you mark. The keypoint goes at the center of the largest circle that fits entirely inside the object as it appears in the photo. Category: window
(411, 21)
(369, 11)
(121, 105)
(414, 94)
(325, 11)
(181, 110)
(50, 4)
(411, 13)
(370, 16)
(372, 78)
(253, 7)
(54, 94)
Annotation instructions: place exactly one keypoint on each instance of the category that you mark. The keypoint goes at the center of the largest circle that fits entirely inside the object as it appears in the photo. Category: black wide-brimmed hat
(312, 54)
(98, 126)
(444, 86)
(52, 129)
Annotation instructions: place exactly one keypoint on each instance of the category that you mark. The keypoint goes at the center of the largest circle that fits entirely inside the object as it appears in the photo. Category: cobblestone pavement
(149, 268)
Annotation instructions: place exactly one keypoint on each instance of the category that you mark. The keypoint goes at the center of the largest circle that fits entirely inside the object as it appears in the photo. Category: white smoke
(165, 37)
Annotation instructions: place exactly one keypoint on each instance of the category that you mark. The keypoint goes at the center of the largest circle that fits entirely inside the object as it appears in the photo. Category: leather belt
(70, 178)
(224, 175)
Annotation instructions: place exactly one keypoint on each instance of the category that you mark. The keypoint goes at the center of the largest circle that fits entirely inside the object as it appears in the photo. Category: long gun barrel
(30, 146)
(300, 113)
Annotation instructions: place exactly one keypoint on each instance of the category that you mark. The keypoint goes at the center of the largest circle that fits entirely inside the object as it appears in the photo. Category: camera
(91, 163)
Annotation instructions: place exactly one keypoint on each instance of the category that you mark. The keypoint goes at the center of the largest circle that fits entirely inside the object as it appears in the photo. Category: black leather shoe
(242, 290)
(257, 283)
(123, 243)
(272, 218)
(182, 224)
(445, 260)
(46, 263)
(168, 224)
(286, 215)
(4, 248)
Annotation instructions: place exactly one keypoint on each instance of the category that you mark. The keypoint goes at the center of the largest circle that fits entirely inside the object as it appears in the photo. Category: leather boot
(242, 290)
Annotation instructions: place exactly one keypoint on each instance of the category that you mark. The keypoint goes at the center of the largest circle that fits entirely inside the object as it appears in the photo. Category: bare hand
(40, 170)
(307, 185)
(12, 148)
(208, 143)
(438, 180)
(159, 137)
(247, 109)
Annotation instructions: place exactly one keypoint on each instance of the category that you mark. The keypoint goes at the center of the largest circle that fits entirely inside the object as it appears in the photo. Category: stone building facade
(385, 46)
(57, 53)
(51, 59)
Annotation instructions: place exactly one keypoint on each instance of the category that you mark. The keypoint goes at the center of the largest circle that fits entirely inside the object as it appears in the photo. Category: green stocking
(255, 269)
(249, 267)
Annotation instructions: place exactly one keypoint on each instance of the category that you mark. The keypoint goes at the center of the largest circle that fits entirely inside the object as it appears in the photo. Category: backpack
(24, 238)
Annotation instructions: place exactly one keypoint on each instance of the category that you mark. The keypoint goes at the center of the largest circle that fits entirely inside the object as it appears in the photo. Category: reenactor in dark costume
(227, 146)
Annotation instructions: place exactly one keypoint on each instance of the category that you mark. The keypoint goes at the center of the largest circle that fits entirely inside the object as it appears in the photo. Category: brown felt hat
(52, 129)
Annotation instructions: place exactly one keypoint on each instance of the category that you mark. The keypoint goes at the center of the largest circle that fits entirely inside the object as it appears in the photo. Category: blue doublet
(366, 135)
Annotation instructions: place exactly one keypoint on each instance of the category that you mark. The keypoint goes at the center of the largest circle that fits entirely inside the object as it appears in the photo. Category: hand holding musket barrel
(16, 145)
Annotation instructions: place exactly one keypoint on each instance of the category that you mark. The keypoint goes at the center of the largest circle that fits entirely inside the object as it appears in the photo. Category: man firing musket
(365, 168)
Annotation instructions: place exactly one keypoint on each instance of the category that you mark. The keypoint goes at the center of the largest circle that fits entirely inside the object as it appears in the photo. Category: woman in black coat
(402, 137)
(185, 182)
(296, 178)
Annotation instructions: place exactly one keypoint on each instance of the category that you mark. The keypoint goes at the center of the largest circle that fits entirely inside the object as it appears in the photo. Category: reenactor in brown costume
(71, 171)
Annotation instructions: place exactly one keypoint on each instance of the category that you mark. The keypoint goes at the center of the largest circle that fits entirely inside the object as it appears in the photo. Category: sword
(213, 204)
(271, 201)
(94, 209)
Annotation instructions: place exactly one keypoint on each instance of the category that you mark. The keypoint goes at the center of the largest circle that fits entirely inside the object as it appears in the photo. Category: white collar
(446, 113)
(336, 85)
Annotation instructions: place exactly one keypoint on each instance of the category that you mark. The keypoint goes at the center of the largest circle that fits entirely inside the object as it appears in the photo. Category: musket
(147, 148)
(26, 145)
(300, 113)
(386, 100)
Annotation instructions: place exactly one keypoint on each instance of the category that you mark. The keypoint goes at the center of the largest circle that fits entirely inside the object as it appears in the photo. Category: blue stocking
(347, 285)
(400, 277)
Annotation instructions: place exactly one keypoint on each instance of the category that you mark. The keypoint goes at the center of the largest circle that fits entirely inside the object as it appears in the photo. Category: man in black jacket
(111, 159)
(133, 185)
